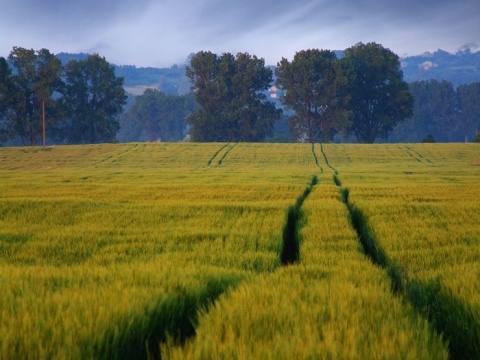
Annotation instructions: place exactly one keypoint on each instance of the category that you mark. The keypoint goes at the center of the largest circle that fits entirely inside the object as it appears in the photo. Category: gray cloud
(161, 33)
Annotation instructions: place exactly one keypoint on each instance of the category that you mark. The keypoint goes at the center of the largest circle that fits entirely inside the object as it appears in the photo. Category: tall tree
(5, 93)
(469, 109)
(380, 98)
(36, 78)
(314, 87)
(230, 92)
(435, 110)
(93, 99)
(48, 82)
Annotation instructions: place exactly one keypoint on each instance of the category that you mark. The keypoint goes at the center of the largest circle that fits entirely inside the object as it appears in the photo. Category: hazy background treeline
(438, 81)
(446, 89)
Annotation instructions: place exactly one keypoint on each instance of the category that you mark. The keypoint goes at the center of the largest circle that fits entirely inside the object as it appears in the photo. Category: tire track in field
(316, 159)
(454, 319)
(226, 153)
(123, 153)
(188, 315)
(409, 154)
(419, 155)
(290, 252)
(176, 316)
(114, 157)
(449, 315)
(415, 155)
(326, 160)
(216, 153)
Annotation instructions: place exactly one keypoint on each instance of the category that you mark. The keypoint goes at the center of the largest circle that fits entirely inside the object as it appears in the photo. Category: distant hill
(460, 68)
(169, 80)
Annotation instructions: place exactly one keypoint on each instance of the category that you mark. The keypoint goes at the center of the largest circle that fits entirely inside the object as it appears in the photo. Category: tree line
(76, 103)
(156, 116)
(361, 96)
(441, 113)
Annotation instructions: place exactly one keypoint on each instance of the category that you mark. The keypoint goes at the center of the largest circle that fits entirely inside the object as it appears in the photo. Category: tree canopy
(36, 78)
(379, 97)
(156, 116)
(313, 86)
(435, 103)
(468, 98)
(363, 94)
(93, 100)
(230, 93)
(446, 113)
(5, 91)
(81, 101)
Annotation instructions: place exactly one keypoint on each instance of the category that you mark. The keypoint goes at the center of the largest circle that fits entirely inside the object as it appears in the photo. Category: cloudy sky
(164, 32)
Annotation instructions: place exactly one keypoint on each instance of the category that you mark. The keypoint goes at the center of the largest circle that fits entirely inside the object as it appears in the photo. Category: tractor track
(446, 313)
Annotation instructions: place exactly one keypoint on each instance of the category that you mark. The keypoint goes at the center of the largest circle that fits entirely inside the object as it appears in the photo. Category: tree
(158, 116)
(477, 137)
(379, 97)
(5, 92)
(435, 110)
(230, 93)
(468, 97)
(93, 99)
(48, 81)
(36, 78)
(429, 139)
(314, 87)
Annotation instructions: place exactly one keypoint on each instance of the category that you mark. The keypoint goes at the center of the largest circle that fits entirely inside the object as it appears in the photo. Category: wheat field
(144, 250)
